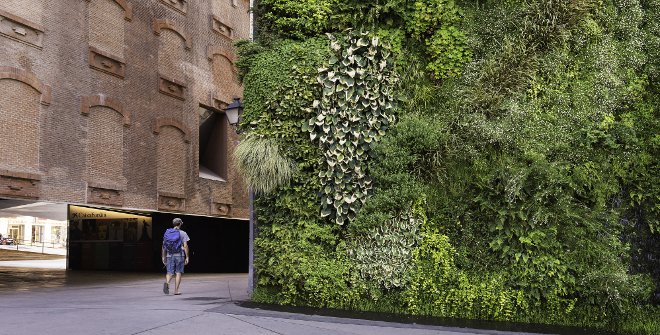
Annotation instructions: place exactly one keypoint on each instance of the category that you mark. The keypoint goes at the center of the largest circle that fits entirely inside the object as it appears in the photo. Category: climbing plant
(355, 110)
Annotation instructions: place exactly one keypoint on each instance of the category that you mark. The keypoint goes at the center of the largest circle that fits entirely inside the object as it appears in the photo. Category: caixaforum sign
(87, 213)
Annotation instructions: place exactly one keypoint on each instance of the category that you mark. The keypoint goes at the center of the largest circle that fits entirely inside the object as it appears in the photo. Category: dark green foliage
(294, 249)
(525, 154)
(432, 26)
(294, 19)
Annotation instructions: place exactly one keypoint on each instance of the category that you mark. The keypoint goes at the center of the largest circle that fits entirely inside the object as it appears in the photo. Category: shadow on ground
(311, 314)
(29, 279)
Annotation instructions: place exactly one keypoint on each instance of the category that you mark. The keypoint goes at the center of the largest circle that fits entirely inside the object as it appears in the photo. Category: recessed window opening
(213, 145)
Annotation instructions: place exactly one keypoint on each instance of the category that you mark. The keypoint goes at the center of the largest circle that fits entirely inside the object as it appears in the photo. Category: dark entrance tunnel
(216, 245)
(117, 242)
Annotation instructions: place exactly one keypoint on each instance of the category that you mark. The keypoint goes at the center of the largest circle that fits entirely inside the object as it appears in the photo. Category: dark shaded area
(29, 279)
(422, 320)
(645, 248)
(98, 241)
(216, 245)
(213, 145)
(24, 279)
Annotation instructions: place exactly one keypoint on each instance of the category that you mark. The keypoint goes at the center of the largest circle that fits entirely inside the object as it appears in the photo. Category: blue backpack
(172, 241)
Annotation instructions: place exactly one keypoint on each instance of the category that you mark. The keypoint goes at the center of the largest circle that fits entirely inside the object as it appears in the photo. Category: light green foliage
(435, 23)
(356, 109)
(297, 258)
(383, 254)
(262, 165)
(448, 51)
(280, 87)
(432, 27)
(437, 287)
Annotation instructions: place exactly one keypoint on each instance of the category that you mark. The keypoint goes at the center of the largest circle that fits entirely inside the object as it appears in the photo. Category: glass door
(16, 232)
(37, 233)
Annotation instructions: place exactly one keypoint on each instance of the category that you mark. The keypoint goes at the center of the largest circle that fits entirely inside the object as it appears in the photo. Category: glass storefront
(16, 232)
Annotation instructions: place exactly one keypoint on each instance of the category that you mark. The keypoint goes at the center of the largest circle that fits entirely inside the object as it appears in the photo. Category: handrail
(41, 244)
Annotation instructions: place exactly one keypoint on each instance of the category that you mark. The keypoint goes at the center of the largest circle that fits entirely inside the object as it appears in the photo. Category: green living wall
(472, 159)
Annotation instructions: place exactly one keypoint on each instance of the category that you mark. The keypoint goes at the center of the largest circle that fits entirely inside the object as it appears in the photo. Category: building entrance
(108, 239)
(217, 245)
(104, 239)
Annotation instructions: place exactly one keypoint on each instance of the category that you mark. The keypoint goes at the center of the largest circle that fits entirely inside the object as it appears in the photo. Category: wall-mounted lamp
(234, 111)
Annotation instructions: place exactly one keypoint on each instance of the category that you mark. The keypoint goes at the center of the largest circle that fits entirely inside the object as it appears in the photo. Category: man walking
(174, 255)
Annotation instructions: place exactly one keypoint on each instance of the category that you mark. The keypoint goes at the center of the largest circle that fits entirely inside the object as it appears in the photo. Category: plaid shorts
(175, 264)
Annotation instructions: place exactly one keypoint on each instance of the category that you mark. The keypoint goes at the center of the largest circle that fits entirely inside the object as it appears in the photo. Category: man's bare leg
(177, 282)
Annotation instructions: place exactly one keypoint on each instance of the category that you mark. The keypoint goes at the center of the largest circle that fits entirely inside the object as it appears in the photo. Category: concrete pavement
(60, 250)
(36, 264)
(123, 304)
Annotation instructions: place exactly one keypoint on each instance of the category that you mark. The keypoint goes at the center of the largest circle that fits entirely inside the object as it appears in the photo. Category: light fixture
(234, 111)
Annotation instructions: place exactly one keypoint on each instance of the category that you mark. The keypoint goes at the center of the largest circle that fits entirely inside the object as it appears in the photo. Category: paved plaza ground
(38, 297)
(43, 301)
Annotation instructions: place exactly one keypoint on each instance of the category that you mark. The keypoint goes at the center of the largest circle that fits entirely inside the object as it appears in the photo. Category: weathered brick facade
(100, 101)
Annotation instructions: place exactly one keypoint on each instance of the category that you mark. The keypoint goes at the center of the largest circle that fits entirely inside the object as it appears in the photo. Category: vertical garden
(485, 159)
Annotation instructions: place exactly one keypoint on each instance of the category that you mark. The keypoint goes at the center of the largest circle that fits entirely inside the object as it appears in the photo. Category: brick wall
(172, 55)
(225, 11)
(19, 126)
(83, 85)
(223, 77)
(172, 159)
(105, 146)
(106, 26)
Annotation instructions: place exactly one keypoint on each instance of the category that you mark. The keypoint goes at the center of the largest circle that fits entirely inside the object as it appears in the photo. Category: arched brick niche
(101, 100)
(22, 99)
(162, 122)
(172, 161)
(214, 50)
(125, 6)
(232, 14)
(106, 123)
(28, 78)
(106, 31)
(159, 25)
(225, 78)
(173, 48)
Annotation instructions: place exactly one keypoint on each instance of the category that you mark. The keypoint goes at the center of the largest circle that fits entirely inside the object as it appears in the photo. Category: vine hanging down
(355, 111)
